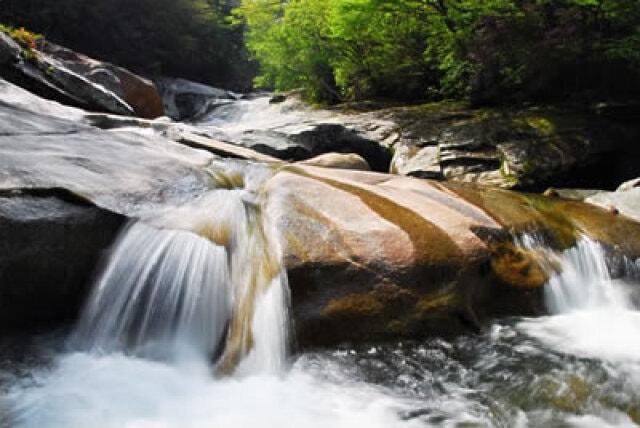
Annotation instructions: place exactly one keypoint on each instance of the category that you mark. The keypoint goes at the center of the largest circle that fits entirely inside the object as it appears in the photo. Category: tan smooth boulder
(339, 161)
(373, 256)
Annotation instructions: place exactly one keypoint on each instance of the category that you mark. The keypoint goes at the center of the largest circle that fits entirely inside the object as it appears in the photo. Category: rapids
(126, 363)
(188, 326)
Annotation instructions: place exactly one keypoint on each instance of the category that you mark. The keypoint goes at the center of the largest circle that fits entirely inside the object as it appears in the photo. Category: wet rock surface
(524, 148)
(373, 256)
(625, 202)
(60, 74)
(9, 50)
(184, 99)
(292, 131)
(52, 243)
(370, 256)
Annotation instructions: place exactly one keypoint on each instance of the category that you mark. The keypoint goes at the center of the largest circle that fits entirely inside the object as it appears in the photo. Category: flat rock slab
(627, 202)
(125, 172)
(223, 149)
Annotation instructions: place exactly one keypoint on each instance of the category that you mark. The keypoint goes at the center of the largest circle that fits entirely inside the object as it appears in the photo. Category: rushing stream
(141, 356)
(188, 327)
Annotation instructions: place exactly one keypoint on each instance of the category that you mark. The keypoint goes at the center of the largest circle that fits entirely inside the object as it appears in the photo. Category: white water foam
(259, 114)
(118, 391)
(593, 315)
(167, 304)
(164, 294)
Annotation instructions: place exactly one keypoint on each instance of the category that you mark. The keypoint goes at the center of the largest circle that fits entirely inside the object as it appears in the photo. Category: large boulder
(370, 256)
(94, 95)
(339, 160)
(52, 242)
(373, 257)
(184, 99)
(520, 148)
(303, 141)
(140, 93)
(61, 74)
(46, 77)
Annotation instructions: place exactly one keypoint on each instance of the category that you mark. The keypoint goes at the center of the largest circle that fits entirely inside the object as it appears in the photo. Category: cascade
(202, 281)
(585, 281)
(590, 296)
(162, 291)
(580, 277)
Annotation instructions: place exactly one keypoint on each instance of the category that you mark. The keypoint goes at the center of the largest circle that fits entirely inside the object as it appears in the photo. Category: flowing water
(183, 331)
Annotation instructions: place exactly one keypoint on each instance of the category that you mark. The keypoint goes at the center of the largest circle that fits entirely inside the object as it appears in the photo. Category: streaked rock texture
(373, 256)
(370, 256)
(61, 74)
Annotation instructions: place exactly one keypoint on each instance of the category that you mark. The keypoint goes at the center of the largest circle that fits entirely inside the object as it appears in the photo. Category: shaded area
(186, 38)
(52, 242)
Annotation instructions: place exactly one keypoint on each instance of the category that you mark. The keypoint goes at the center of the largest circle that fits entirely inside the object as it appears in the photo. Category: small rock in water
(277, 99)
(339, 161)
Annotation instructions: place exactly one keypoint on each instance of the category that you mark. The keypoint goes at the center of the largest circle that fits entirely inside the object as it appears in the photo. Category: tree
(491, 50)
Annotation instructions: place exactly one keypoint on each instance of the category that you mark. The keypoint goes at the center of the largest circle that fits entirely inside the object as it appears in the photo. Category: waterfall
(593, 311)
(580, 277)
(204, 281)
(162, 293)
(585, 281)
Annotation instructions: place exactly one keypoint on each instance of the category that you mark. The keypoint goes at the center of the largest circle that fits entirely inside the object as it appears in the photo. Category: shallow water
(578, 367)
(504, 377)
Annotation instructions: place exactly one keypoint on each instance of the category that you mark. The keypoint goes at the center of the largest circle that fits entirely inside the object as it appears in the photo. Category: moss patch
(569, 396)
(354, 305)
(518, 267)
(431, 303)
(543, 125)
(25, 38)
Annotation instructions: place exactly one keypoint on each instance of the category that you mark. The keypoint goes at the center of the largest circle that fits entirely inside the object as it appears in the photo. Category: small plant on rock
(25, 38)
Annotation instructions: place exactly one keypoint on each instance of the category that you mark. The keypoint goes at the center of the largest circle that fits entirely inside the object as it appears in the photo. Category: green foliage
(488, 50)
(25, 38)
(292, 44)
(493, 50)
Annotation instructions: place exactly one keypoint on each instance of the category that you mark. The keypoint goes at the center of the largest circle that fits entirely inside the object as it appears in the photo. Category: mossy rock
(567, 395)
(535, 147)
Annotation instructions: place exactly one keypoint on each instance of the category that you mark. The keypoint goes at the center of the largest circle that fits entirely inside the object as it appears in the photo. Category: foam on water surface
(182, 289)
(593, 314)
(115, 391)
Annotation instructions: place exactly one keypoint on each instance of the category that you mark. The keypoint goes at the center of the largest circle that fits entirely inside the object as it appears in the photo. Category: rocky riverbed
(363, 252)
